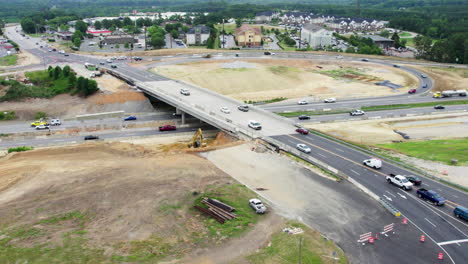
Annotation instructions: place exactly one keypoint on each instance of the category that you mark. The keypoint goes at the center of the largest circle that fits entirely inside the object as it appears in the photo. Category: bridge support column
(183, 118)
(182, 114)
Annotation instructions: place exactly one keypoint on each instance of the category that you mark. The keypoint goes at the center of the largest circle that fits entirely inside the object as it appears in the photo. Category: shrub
(40, 115)
(7, 115)
(19, 149)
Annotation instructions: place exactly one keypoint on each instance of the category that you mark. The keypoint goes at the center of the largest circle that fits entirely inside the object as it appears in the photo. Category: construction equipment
(197, 140)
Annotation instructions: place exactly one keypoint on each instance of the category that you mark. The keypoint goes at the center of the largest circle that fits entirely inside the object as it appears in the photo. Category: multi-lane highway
(437, 223)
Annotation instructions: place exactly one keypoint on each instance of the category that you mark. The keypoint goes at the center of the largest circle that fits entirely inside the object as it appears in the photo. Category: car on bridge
(167, 128)
(113, 66)
(304, 148)
(225, 110)
(357, 112)
(302, 131)
(373, 163)
(130, 118)
(243, 108)
(302, 102)
(431, 196)
(255, 125)
(185, 92)
(91, 137)
(330, 100)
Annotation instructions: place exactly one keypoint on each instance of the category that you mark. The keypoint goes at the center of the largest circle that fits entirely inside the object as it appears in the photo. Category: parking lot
(92, 45)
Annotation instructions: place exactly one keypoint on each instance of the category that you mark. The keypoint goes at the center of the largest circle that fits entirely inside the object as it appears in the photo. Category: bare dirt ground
(289, 78)
(447, 78)
(370, 132)
(24, 58)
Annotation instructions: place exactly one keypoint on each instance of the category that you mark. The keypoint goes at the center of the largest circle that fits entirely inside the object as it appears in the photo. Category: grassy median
(8, 60)
(435, 150)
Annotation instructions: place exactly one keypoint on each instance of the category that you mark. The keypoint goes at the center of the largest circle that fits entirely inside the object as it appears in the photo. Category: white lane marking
(322, 155)
(355, 172)
(376, 175)
(388, 198)
(390, 193)
(339, 149)
(401, 195)
(430, 222)
(452, 242)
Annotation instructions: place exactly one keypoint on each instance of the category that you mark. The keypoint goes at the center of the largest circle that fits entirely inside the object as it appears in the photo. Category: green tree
(140, 22)
(396, 40)
(77, 42)
(81, 26)
(28, 25)
(238, 22)
(98, 25)
(127, 21)
(91, 87)
(81, 85)
(57, 72)
(423, 44)
(384, 33)
(66, 71)
(72, 80)
(126, 45)
(158, 41)
(117, 46)
(106, 23)
(174, 33)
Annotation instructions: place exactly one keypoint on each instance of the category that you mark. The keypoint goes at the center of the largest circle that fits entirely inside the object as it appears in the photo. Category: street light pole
(222, 42)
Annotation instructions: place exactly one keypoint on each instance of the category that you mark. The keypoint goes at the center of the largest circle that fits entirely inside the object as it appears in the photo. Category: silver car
(257, 205)
(304, 148)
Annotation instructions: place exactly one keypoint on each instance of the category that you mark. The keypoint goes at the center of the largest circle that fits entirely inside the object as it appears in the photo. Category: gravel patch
(238, 65)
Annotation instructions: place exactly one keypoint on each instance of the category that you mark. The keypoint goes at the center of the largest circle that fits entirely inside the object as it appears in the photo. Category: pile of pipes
(216, 209)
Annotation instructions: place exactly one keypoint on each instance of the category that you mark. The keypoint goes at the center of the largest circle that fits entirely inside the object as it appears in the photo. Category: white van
(373, 163)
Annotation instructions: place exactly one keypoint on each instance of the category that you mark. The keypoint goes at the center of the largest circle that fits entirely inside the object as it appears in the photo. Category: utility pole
(300, 250)
(145, 39)
(222, 42)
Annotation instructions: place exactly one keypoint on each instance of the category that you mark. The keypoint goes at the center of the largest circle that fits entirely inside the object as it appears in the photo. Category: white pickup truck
(399, 181)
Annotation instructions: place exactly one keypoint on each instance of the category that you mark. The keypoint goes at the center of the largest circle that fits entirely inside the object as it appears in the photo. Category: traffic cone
(423, 238)
(405, 221)
(376, 236)
(444, 172)
(440, 256)
(371, 240)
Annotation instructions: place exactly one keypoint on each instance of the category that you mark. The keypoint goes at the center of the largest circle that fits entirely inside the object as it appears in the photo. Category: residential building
(265, 17)
(296, 18)
(198, 35)
(248, 36)
(382, 42)
(316, 36)
(119, 39)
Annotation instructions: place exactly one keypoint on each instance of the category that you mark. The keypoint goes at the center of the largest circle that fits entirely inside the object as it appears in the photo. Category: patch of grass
(153, 249)
(346, 73)
(4, 135)
(19, 149)
(24, 232)
(281, 70)
(237, 196)
(7, 115)
(40, 115)
(284, 249)
(169, 207)
(273, 100)
(435, 150)
(8, 60)
(401, 106)
(404, 34)
(73, 215)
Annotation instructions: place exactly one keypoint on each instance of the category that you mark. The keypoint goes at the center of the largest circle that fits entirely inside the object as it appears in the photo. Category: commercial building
(119, 39)
(382, 42)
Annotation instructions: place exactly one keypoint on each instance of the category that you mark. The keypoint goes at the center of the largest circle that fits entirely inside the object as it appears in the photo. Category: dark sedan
(91, 137)
(167, 128)
(415, 180)
(303, 117)
(439, 107)
(302, 131)
(130, 118)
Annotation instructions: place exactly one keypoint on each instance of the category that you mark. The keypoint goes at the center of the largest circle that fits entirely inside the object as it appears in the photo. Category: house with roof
(316, 36)
(383, 43)
(248, 36)
(265, 17)
(197, 35)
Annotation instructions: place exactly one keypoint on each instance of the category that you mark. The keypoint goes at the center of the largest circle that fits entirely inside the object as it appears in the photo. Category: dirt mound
(119, 97)
(116, 192)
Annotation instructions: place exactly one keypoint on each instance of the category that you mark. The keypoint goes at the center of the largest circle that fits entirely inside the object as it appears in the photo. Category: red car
(167, 128)
(412, 91)
(302, 131)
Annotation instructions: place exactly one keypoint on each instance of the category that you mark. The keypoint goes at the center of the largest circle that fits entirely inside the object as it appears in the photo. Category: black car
(303, 117)
(102, 63)
(266, 53)
(91, 137)
(66, 54)
(137, 58)
(415, 180)
(439, 107)
(113, 66)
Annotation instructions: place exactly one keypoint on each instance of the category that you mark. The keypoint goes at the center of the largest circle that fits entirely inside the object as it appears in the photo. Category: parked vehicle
(91, 137)
(304, 148)
(461, 212)
(439, 107)
(113, 66)
(357, 112)
(255, 125)
(396, 65)
(257, 205)
(303, 117)
(366, 60)
(412, 91)
(302, 102)
(41, 127)
(373, 163)
(413, 179)
(431, 196)
(400, 181)
(449, 93)
(330, 100)
(225, 110)
(130, 118)
(167, 128)
(243, 108)
(185, 92)
(302, 131)
(55, 122)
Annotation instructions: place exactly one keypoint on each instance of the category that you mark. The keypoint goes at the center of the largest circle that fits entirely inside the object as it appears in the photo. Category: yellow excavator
(197, 140)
